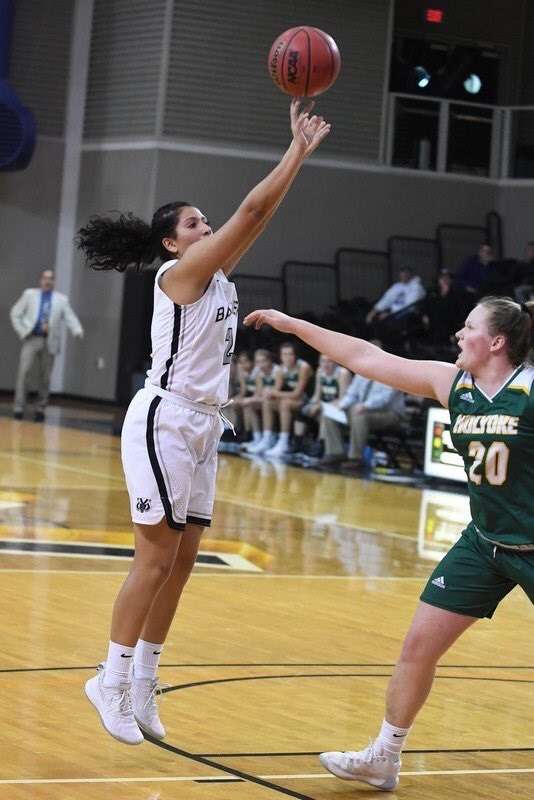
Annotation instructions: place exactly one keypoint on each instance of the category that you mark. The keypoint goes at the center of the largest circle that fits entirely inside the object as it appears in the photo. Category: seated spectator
(331, 382)
(285, 399)
(399, 297)
(524, 289)
(396, 313)
(474, 270)
(444, 312)
(265, 372)
(370, 406)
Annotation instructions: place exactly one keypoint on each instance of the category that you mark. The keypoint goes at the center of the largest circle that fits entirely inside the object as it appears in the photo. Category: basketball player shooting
(173, 425)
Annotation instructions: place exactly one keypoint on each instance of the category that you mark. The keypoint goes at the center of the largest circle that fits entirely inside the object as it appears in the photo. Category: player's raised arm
(431, 379)
(230, 242)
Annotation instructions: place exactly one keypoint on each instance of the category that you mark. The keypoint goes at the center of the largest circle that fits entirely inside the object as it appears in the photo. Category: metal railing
(460, 137)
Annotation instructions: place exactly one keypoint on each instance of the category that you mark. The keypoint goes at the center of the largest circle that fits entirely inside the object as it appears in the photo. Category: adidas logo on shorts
(439, 582)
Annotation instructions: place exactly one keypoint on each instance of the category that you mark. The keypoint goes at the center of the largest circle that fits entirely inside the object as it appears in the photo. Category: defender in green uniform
(490, 394)
(495, 437)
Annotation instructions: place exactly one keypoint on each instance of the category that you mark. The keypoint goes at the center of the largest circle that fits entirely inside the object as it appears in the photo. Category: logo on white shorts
(143, 505)
(440, 582)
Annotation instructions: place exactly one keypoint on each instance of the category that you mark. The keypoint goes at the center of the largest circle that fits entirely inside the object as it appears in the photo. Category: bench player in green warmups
(490, 395)
(331, 382)
(287, 397)
(284, 398)
(265, 371)
(239, 412)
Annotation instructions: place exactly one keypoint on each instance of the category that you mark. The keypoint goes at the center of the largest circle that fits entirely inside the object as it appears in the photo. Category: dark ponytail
(124, 241)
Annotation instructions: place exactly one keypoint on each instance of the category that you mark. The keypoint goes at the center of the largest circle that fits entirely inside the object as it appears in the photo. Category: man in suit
(39, 317)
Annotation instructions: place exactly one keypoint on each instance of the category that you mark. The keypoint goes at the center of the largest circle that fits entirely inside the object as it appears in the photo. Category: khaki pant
(361, 425)
(34, 352)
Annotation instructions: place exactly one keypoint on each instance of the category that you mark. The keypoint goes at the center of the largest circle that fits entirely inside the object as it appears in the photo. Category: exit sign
(434, 15)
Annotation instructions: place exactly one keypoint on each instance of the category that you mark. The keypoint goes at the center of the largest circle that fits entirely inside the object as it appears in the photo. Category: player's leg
(465, 586)
(156, 547)
(158, 466)
(163, 608)
(252, 420)
(149, 647)
(269, 408)
(286, 409)
(432, 632)
(199, 505)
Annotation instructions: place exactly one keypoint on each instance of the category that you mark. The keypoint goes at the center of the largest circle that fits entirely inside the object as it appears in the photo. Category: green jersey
(250, 383)
(291, 376)
(269, 380)
(329, 384)
(495, 437)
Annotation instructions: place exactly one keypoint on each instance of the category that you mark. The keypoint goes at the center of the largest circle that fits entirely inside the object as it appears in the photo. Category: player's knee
(157, 571)
(417, 647)
(185, 563)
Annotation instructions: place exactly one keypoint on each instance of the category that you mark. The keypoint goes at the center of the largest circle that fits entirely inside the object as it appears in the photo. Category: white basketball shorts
(169, 457)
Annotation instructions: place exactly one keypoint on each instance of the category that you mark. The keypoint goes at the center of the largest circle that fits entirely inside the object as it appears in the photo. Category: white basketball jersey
(192, 345)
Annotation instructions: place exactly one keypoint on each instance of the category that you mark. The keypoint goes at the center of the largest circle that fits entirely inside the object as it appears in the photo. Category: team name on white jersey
(191, 351)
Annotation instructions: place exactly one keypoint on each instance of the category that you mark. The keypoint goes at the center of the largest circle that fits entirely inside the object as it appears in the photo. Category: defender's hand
(277, 320)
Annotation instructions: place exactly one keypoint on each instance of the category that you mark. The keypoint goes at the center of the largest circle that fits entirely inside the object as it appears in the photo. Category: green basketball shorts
(475, 575)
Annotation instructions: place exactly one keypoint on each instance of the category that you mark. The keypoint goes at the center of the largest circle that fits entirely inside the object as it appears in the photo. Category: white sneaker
(371, 766)
(145, 706)
(253, 447)
(256, 448)
(114, 705)
(280, 449)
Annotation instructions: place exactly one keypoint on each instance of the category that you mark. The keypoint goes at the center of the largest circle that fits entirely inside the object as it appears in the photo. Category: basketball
(304, 61)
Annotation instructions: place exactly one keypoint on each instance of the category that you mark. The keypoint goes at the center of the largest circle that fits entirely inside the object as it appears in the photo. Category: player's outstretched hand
(308, 132)
(268, 316)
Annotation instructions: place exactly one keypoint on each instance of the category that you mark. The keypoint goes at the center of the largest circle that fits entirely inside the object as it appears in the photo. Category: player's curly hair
(127, 241)
(515, 321)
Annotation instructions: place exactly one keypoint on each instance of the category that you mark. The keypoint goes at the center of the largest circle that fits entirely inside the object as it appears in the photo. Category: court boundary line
(231, 779)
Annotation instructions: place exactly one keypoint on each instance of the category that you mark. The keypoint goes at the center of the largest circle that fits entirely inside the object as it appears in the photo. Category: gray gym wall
(179, 106)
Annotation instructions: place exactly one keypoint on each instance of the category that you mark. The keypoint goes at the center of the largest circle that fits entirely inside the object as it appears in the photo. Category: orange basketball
(304, 61)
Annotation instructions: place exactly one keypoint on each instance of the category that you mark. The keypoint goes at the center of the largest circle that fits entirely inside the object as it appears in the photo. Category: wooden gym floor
(281, 649)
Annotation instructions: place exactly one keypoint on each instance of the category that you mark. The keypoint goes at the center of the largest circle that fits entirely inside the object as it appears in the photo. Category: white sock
(118, 664)
(256, 436)
(267, 436)
(392, 739)
(284, 438)
(146, 659)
